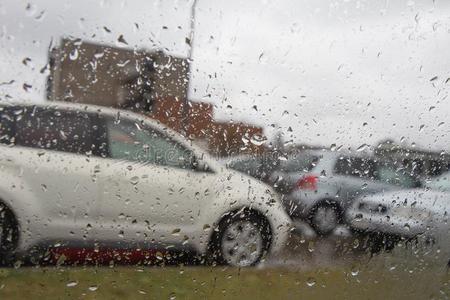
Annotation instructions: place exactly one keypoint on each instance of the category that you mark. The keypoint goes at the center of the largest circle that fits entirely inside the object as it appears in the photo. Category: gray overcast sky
(335, 72)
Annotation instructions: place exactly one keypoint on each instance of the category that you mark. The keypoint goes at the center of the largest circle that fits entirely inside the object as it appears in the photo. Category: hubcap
(325, 219)
(242, 244)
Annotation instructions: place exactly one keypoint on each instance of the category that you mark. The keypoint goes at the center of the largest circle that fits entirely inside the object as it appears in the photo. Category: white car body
(420, 214)
(62, 198)
(406, 213)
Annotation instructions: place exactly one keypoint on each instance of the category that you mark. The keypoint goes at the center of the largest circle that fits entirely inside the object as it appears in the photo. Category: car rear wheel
(325, 218)
(8, 235)
(241, 240)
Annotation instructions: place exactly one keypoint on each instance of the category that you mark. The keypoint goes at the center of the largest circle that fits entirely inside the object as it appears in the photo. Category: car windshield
(245, 164)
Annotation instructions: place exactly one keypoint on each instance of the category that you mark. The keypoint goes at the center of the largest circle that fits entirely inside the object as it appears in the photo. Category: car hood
(243, 184)
(433, 201)
(248, 191)
(426, 209)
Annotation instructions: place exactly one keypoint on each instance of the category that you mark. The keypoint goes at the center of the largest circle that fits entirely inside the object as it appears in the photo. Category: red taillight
(308, 182)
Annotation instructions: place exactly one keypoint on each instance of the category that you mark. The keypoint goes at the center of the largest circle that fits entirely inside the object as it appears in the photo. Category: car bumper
(281, 229)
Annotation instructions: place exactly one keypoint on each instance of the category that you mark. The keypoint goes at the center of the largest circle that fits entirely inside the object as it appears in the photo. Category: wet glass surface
(224, 149)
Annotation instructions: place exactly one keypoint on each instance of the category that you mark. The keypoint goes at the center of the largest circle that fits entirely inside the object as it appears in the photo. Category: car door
(152, 192)
(354, 177)
(55, 153)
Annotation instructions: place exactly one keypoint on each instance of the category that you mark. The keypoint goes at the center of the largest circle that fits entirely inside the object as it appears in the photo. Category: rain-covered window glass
(355, 166)
(127, 140)
(298, 163)
(252, 166)
(392, 175)
(211, 149)
(50, 129)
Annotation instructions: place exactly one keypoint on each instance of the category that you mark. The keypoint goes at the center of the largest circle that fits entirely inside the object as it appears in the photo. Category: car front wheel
(241, 240)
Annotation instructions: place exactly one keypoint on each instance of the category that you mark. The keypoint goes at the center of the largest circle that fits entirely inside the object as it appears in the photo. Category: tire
(324, 218)
(9, 235)
(241, 240)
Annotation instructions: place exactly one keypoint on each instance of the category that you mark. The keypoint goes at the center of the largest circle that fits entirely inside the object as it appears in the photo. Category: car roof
(89, 108)
(330, 154)
(109, 111)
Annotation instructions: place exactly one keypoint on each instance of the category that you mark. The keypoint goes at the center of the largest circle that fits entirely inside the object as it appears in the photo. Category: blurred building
(150, 82)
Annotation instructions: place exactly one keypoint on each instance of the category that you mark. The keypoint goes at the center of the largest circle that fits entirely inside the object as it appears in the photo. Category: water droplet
(311, 246)
(134, 180)
(258, 140)
(72, 284)
(73, 55)
(311, 281)
(122, 40)
(27, 87)
(354, 272)
(93, 288)
(362, 147)
(26, 61)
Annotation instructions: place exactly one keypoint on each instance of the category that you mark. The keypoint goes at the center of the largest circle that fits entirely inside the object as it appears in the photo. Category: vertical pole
(189, 59)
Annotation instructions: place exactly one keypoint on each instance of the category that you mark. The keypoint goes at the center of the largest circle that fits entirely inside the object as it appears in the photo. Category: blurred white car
(85, 176)
(406, 214)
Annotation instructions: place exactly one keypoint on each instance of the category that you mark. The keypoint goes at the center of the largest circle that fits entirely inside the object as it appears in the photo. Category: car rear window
(390, 174)
(355, 166)
(299, 163)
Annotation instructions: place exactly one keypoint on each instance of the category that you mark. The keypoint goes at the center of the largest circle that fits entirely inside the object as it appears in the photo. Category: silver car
(403, 213)
(419, 214)
(326, 188)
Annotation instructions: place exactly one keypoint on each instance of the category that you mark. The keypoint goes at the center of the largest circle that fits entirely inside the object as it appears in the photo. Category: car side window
(299, 163)
(390, 174)
(355, 166)
(131, 141)
(52, 129)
